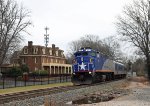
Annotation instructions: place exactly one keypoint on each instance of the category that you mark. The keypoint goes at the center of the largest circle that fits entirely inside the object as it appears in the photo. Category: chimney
(53, 50)
(30, 43)
(53, 46)
(30, 47)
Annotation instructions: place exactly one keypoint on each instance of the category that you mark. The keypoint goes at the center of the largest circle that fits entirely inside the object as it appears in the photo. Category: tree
(139, 66)
(24, 68)
(133, 25)
(13, 22)
(106, 46)
(15, 72)
(114, 48)
(87, 41)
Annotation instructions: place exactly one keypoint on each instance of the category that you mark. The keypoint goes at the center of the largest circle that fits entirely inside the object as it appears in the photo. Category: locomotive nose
(81, 79)
(85, 63)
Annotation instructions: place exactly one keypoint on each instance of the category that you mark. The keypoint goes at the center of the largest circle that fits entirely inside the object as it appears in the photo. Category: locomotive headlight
(91, 60)
(74, 61)
(90, 72)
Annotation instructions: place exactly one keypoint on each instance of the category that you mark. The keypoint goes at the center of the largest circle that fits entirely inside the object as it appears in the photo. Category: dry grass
(125, 84)
(138, 79)
(28, 88)
(50, 102)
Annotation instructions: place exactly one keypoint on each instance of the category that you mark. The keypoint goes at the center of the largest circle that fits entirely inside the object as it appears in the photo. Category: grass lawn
(28, 88)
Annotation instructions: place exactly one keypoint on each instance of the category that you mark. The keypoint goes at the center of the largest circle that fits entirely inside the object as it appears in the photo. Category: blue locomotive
(90, 66)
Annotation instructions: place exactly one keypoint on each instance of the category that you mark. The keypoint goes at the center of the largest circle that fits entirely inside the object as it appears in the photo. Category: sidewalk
(139, 96)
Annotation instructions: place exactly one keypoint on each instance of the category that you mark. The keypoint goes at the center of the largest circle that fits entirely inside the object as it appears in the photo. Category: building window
(56, 60)
(35, 60)
(25, 51)
(43, 59)
(47, 60)
(52, 60)
(56, 53)
(43, 50)
(63, 62)
(23, 60)
(36, 68)
(50, 52)
(35, 50)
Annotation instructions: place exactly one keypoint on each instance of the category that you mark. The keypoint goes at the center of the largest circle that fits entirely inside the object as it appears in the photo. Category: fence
(9, 82)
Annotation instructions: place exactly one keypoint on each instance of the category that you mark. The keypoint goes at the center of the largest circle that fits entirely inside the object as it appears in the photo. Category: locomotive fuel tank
(81, 78)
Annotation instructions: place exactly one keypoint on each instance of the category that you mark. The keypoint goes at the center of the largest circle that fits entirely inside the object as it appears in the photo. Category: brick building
(41, 58)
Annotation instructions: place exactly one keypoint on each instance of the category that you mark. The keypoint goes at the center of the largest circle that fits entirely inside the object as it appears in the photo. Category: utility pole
(148, 64)
(149, 13)
(46, 37)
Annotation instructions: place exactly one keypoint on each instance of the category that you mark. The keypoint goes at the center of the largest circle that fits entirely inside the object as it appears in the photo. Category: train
(90, 66)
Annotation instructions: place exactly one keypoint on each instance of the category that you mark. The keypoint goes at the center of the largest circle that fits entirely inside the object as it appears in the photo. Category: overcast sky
(69, 20)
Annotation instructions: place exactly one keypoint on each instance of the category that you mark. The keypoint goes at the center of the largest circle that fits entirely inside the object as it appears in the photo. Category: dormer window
(25, 51)
(56, 53)
(62, 54)
(35, 50)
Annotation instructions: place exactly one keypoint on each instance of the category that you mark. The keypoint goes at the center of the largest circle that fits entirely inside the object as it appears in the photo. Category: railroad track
(5, 98)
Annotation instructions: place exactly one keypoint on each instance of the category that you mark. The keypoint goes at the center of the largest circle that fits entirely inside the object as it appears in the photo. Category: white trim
(56, 64)
(42, 56)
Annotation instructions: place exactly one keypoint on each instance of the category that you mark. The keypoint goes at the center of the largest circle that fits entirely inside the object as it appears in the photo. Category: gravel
(139, 96)
(60, 99)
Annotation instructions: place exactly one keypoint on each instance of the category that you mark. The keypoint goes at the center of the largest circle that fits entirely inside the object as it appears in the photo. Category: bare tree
(113, 46)
(13, 21)
(108, 46)
(134, 27)
(86, 41)
(139, 66)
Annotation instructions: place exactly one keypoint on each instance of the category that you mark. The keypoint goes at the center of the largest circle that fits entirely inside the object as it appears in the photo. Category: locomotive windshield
(85, 54)
(81, 54)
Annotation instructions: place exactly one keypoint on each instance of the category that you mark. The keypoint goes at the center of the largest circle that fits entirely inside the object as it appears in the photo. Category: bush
(25, 68)
(15, 72)
(40, 72)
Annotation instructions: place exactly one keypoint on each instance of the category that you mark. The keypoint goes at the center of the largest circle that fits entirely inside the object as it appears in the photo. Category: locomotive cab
(83, 66)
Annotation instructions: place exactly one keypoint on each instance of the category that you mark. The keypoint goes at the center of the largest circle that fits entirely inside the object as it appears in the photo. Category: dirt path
(139, 95)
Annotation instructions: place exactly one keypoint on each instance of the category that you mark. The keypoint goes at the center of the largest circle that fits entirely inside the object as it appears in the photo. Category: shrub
(40, 72)
(25, 68)
(15, 72)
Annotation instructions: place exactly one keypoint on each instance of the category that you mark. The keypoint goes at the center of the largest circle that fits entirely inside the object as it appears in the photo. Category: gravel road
(139, 96)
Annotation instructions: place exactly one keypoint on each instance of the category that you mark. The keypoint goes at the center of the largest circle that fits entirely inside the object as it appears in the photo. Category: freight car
(90, 66)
